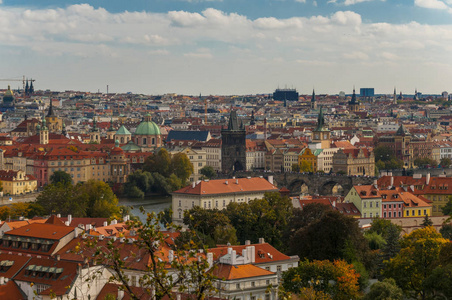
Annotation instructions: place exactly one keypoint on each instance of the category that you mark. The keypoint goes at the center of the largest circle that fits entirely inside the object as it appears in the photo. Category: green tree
(337, 279)
(296, 168)
(417, 258)
(98, 199)
(60, 177)
(427, 221)
(422, 162)
(392, 238)
(333, 236)
(159, 163)
(181, 166)
(381, 226)
(261, 218)
(212, 226)
(305, 166)
(384, 290)
(446, 231)
(189, 270)
(375, 240)
(208, 172)
(60, 199)
(447, 209)
(445, 162)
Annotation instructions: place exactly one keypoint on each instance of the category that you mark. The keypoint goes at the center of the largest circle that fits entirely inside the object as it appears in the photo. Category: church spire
(320, 120)
(51, 113)
(26, 88)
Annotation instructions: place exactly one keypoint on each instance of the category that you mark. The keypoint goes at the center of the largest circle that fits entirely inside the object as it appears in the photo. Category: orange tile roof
(230, 272)
(219, 186)
(367, 191)
(42, 231)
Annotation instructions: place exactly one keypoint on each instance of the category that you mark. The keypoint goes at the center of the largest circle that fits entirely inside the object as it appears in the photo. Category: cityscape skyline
(228, 47)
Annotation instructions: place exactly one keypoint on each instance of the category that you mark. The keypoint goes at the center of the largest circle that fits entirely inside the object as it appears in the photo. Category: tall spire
(313, 96)
(51, 113)
(26, 88)
(31, 90)
(353, 101)
(320, 120)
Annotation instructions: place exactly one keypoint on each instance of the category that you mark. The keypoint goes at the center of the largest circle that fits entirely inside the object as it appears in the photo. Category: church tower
(233, 147)
(394, 97)
(354, 104)
(94, 135)
(111, 131)
(313, 102)
(321, 134)
(44, 133)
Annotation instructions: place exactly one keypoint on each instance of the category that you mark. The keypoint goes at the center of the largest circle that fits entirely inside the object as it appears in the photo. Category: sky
(228, 47)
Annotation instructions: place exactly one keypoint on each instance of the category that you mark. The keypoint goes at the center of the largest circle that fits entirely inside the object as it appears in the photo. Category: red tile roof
(230, 272)
(42, 231)
(226, 186)
(261, 252)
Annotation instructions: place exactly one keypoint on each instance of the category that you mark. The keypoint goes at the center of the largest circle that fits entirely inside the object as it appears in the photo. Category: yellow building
(17, 182)
(307, 161)
(54, 123)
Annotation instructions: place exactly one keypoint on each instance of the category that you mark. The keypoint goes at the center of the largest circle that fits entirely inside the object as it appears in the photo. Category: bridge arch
(334, 187)
(298, 186)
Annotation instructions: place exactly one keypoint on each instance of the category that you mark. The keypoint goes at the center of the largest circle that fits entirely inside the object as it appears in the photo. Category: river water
(153, 203)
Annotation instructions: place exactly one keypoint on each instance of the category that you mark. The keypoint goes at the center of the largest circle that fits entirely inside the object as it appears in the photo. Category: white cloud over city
(212, 51)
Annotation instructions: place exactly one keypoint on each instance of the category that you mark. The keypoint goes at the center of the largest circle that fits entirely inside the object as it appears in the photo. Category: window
(371, 204)
(180, 203)
(365, 204)
(384, 215)
(278, 268)
(365, 215)
(377, 204)
(389, 206)
(425, 212)
(390, 214)
(384, 206)
(237, 286)
(371, 215)
(400, 214)
(253, 283)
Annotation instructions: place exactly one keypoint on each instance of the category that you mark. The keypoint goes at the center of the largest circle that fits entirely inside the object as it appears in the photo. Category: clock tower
(321, 134)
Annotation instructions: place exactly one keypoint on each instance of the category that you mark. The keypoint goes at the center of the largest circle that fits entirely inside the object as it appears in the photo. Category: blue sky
(228, 46)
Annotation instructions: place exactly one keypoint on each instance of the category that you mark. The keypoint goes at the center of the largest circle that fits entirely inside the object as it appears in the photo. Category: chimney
(193, 184)
(392, 181)
(58, 215)
(105, 223)
(233, 257)
(247, 242)
(210, 258)
(245, 256)
(270, 179)
(261, 241)
(334, 203)
(427, 179)
(412, 188)
(252, 253)
(120, 294)
(236, 181)
(226, 182)
(126, 218)
(69, 218)
(58, 257)
(170, 256)
(229, 250)
(2, 280)
(114, 222)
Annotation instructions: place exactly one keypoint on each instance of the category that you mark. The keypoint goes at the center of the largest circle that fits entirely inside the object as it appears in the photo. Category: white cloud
(436, 4)
(300, 1)
(155, 46)
(200, 53)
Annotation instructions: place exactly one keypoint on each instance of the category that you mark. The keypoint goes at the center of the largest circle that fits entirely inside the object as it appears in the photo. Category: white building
(219, 193)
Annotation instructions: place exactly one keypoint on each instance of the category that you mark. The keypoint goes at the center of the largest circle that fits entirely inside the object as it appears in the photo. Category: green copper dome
(147, 128)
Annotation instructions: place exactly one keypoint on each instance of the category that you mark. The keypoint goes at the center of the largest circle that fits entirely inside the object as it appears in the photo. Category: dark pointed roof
(313, 96)
(354, 100)
(51, 113)
(252, 122)
(320, 121)
(233, 121)
(402, 131)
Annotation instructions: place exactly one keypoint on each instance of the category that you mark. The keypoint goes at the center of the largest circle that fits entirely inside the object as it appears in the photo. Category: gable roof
(230, 272)
(222, 186)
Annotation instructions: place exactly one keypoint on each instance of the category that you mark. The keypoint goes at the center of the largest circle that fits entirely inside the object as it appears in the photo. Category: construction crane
(23, 80)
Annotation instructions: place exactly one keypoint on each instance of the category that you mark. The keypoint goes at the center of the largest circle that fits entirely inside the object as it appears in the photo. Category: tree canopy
(208, 172)
(60, 177)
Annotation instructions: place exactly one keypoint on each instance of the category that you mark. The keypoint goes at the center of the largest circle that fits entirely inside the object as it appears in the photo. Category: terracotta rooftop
(226, 186)
(230, 272)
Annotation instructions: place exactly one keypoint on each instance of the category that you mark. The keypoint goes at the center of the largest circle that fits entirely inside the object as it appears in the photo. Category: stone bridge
(321, 184)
